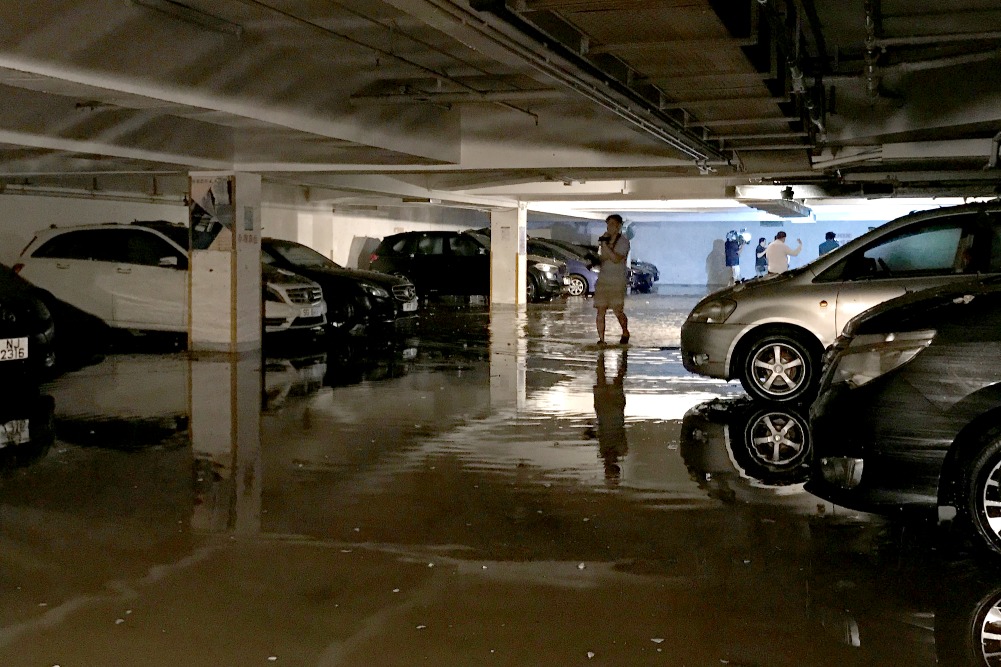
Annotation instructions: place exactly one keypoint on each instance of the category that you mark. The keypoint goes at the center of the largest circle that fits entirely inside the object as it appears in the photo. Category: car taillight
(17, 267)
(372, 258)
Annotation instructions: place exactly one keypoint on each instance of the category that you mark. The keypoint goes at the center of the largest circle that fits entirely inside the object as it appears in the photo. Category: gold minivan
(770, 332)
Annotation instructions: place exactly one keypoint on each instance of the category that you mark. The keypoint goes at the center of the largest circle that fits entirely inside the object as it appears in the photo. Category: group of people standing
(773, 258)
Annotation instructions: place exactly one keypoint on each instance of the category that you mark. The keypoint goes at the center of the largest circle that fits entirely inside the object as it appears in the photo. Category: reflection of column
(508, 347)
(507, 257)
(226, 438)
(225, 271)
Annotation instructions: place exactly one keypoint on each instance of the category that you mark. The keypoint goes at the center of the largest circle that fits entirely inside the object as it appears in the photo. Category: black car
(909, 407)
(27, 334)
(357, 301)
(455, 263)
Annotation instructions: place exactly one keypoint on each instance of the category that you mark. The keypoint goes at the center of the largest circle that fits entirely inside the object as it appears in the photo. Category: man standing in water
(610, 291)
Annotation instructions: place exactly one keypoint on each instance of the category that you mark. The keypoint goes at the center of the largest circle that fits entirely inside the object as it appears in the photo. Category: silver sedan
(770, 332)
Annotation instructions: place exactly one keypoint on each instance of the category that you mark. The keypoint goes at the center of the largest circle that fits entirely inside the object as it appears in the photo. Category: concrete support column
(508, 238)
(225, 272)
(226, 441)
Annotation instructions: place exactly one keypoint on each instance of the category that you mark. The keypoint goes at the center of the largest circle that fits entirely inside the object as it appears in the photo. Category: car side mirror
(170, 261)
(483, 251)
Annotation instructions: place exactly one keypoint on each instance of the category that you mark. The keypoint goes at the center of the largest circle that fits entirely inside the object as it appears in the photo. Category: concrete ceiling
(483, 102)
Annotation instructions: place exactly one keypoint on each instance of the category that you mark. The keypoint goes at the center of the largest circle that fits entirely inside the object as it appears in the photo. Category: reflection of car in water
(879, 597)
(26, 427)
(292, 376)
(741, 451)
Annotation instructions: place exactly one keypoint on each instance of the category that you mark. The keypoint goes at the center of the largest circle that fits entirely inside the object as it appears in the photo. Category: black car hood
(905, 311)
(381, 279)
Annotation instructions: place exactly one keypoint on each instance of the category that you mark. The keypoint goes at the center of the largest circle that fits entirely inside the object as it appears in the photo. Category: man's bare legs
(620, 315)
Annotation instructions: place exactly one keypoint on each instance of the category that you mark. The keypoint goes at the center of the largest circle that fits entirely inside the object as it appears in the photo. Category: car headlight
(545, 268)
(374, 291)
(714, 311)
(868, 356)
(271, 294)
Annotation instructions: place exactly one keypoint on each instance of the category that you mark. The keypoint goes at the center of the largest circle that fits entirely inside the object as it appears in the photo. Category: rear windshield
(300, 255)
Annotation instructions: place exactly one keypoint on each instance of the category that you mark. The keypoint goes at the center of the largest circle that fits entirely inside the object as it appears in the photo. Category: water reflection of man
(610, 408)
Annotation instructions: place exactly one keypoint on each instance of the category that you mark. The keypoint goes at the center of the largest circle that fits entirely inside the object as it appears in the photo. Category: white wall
(691, 252)
(22, 215)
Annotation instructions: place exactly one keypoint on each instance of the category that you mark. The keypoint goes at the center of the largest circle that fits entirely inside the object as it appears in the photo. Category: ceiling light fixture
(191, 15)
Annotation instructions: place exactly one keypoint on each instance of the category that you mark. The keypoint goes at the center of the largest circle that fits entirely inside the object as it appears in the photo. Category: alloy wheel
(990, 635)
(777, 438)
(778, 369)
(578, 286)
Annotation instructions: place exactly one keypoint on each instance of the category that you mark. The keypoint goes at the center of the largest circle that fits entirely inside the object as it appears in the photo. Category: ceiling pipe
(871, 72)
(570, 68)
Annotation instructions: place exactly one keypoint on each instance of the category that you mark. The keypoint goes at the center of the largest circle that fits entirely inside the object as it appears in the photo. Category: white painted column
(226, 442)
(508, 238)
(225, 268)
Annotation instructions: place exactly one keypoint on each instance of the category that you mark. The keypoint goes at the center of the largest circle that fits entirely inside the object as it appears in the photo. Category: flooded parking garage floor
(493, 490)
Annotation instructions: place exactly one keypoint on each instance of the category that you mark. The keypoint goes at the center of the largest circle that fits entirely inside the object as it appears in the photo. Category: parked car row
(458, 263)
(905, 403)
(440, 263)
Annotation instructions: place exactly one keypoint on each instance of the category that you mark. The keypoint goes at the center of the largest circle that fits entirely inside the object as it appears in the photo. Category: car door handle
(123, 270)
(60, 265)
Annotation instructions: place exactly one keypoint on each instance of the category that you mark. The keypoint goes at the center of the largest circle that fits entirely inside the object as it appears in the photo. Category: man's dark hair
(615, 217)
(780, 235)
(761, 240)
(829, 236)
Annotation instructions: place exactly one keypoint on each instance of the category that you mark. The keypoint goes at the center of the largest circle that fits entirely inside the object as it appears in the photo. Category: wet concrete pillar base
(225, 427)
(224, 305)
(508, 238)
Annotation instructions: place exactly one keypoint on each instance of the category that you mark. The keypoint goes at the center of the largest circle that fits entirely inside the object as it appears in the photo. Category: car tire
(983, 491)
(577, 285)
(779, 368)
(531, 290)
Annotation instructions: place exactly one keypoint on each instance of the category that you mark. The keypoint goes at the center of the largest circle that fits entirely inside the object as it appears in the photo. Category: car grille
(404, 292)
(308, 321)
(305, 295)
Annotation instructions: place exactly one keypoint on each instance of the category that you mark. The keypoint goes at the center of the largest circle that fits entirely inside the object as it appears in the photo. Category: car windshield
(300, 255)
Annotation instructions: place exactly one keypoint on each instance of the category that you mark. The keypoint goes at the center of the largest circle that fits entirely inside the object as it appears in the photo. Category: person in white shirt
(778, 253)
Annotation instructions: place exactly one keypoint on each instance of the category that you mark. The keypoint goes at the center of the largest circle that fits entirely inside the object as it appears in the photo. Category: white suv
(135, 276)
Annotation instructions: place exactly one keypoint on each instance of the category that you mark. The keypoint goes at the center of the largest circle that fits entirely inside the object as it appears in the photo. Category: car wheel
(983, 491)
(779, 368)
(777, 439)
(531, 290)
(577, 286)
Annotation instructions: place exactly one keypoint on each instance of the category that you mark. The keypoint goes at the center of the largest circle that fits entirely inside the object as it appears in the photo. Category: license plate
(410, 306)
(12, 349)
(311, 311)
(566, 280)
(410, 353)
(14, 433)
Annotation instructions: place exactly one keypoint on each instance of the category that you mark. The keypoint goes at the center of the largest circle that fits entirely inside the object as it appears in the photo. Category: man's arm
(799, 248)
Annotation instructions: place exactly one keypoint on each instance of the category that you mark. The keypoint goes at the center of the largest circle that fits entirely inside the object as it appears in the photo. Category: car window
(144, 248)
(543, 250)
(399, 246)
(430, 245)
(300, 255)
(93, 244)
(463, 246)
(938, 248)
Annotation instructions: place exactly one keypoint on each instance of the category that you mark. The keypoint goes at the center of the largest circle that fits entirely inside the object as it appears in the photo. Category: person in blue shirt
(760, 261)
(829, 244)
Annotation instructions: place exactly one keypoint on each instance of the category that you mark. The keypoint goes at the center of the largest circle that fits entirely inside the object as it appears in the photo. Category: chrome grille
(404, 292)
(305, 295)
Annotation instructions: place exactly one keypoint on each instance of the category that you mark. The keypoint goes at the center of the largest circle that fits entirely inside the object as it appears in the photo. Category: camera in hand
(604, 238)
